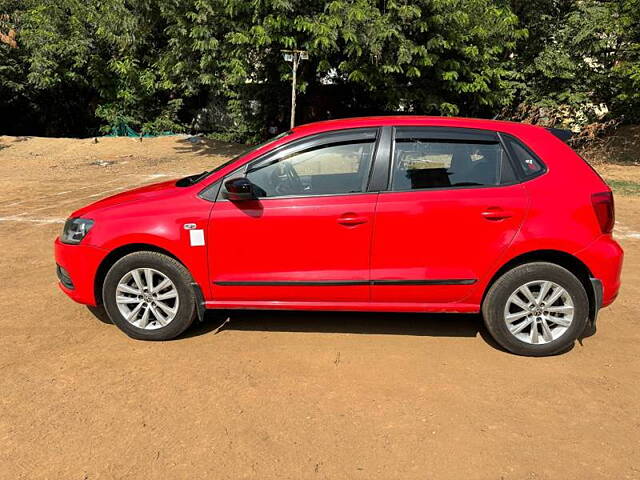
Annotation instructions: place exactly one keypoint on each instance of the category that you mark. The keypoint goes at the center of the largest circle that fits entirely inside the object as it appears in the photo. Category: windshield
(193, 179)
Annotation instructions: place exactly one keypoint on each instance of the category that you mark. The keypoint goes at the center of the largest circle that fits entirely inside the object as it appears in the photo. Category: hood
(146, 192)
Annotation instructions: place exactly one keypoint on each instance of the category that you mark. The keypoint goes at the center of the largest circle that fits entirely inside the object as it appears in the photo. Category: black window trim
(316, 139)
(450, 134)
(379, 172)
(210, 193)
(511, 159)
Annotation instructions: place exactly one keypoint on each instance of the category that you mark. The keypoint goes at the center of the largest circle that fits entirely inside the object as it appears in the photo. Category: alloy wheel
(147, 298)
(539, 312)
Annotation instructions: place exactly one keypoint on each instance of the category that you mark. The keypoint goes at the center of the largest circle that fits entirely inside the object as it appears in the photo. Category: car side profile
(395, 214)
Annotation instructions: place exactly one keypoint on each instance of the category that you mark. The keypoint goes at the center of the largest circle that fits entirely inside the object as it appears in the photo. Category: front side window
(334, 168)
(423, 163)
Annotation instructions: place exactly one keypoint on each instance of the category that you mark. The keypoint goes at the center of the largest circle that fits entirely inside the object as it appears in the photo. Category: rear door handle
(496, 213)
(351, 219)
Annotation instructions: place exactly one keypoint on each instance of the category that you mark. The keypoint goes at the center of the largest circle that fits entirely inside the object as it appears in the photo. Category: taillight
(603, 207)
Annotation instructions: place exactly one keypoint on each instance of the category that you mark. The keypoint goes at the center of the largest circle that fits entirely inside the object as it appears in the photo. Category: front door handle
(351, 219)
(496, 213)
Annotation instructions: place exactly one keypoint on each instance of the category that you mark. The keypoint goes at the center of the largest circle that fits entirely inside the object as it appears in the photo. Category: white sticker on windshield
(196, 237)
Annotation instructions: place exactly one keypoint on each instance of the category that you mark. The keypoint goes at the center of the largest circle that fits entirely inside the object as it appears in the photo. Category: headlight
(75, 229)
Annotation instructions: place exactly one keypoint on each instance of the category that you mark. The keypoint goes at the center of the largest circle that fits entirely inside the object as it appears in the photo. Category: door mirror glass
(239, 189)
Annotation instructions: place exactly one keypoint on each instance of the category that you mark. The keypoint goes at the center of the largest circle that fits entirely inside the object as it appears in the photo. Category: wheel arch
(558, 257)
(115, 255)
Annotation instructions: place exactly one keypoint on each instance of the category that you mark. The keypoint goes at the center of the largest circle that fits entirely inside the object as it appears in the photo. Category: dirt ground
(285, 395)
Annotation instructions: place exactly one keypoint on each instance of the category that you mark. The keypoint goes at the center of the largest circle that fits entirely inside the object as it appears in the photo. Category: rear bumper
(76, 266)
(604, 259)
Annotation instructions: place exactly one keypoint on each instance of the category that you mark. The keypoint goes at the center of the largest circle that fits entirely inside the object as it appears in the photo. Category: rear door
(308, 237)
(453, 206)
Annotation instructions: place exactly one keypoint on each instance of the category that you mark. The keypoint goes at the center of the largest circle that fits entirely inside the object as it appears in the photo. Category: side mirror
(239, 189)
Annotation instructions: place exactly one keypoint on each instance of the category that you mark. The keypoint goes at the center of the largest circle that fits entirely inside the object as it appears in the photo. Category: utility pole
(294, 56)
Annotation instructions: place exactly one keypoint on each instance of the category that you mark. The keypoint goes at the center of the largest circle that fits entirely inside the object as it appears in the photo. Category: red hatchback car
(397, 214)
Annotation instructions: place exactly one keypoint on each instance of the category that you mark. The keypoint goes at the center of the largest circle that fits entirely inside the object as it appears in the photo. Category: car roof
(413, 120)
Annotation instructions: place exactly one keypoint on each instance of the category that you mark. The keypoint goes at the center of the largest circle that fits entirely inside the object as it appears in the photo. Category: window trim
(381, 164)
(451, 134)
(317, 139)
(210, 193)
(454, 135)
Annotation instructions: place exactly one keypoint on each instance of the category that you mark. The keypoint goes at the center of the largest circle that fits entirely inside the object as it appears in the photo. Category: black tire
(166, 265)
(493, 308)
(100, 313)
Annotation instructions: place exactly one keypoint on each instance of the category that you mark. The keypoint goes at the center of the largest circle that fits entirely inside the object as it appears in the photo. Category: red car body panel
(82, 264)
(305, 242)
(357, 244)
(153, 216)
(441, 234)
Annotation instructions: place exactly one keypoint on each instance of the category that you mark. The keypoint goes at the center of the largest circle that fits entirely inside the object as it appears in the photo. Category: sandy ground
(284, 395)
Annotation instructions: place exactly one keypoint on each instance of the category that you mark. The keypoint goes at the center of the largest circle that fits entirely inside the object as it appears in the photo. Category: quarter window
(530, 164)
(334, 168)
(439, 163)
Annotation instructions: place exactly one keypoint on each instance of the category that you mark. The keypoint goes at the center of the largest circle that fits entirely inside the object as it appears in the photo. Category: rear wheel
(149, 297)
(536, 309)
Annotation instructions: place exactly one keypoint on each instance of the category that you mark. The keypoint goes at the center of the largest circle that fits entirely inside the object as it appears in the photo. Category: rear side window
(528, 162)
(423, 162)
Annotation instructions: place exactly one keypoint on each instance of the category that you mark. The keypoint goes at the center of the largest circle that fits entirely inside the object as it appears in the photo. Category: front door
(452, 208)
(307, 236)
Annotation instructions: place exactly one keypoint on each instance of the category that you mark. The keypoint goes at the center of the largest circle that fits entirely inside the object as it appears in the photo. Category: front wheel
(536, 309)
(149, 297)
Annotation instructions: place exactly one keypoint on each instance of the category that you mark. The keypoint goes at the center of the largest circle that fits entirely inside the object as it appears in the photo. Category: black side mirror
(238, 189)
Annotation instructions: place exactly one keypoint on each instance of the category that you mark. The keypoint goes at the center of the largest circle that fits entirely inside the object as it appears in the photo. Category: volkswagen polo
(394, 214)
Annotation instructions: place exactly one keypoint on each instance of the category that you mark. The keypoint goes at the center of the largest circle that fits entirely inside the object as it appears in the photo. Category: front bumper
(76, 266)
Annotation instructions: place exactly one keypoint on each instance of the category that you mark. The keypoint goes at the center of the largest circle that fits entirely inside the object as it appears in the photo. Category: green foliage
(215, 66)
(166, 121)
(579, 61)
(626, 69)
(624, 187)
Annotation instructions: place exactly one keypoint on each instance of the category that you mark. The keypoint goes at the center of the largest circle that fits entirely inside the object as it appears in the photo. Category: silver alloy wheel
(147, 298)
(539, 312)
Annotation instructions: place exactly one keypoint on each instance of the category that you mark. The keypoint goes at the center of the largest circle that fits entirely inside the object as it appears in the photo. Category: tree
(83, 66)
(579, 60)
(8, 38)
(437, 57)
(625, 81)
